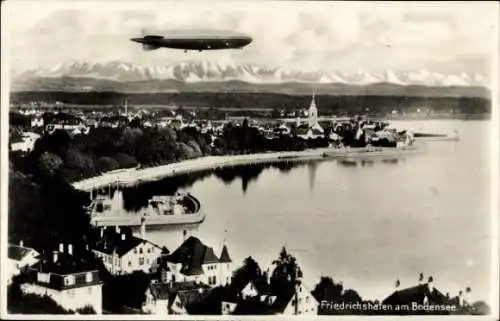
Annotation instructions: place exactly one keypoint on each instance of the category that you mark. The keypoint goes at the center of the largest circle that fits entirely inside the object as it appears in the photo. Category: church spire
(313, 111)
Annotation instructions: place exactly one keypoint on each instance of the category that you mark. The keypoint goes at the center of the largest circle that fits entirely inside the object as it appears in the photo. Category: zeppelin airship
(194, 40)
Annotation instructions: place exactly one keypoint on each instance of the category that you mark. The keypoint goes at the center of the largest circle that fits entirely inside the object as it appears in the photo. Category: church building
(312, 129)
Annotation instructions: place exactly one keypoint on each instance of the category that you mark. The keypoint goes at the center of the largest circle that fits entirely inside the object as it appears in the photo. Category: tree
(50, 163)
(105, 164)
(328, 290)
(125, 291)
(286, 266)
(80, 163)
(125, 161)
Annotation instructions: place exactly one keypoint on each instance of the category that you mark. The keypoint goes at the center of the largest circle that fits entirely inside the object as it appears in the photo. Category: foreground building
(67, 279)
(19, 258)
(256, 297)
(123, 253)
(169, 298)
(194, 261)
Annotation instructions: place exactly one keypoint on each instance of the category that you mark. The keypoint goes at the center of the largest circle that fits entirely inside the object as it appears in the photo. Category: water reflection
(312, 169)
(134, 199)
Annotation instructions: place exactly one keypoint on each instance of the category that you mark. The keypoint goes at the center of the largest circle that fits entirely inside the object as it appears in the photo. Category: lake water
(363, 223)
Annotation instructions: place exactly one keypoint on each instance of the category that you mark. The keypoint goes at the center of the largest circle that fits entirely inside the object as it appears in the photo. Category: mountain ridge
(207, 71)
(206, 76)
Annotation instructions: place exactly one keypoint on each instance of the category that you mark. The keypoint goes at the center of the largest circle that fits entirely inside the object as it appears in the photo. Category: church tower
(313, 112)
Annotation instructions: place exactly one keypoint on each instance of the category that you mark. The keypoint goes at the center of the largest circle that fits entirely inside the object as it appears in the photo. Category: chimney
(54, 256)
(430, 283)
(61, 248)
(420, 279)
(21, 243)
(143, 228)
(70, 249)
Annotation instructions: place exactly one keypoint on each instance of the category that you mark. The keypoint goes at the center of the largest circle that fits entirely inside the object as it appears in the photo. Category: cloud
(322, 35)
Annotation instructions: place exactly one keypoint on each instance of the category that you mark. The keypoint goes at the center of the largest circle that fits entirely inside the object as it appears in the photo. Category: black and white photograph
(233, 159)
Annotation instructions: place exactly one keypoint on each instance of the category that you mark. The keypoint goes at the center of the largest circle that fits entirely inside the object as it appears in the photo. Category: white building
(26, 144)
(157, 299)
(299, 302)
(37, 122)
(124, 253)
(194, 261)
(68, 280)
(20, 257)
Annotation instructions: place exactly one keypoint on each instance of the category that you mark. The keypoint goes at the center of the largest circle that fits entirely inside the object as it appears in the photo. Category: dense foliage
(105, 149)
(44, 210)
(125, 290)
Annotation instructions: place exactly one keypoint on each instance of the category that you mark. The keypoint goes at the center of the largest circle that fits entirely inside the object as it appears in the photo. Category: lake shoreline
(133, 176)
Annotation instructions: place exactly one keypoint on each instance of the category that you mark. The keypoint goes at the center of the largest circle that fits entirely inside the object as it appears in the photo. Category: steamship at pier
(181, 209)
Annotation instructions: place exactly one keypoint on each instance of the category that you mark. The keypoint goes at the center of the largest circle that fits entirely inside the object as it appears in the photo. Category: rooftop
(119, 243)
(192, 254)
(17, 252)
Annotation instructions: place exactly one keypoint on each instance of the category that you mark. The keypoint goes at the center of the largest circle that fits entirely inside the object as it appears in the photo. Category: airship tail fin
(149, 47)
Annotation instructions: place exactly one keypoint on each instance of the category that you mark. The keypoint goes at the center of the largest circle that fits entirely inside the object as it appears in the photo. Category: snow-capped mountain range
(205, 71)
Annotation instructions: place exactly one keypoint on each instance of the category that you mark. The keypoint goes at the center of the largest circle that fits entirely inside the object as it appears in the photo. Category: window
(149, 250)
(214, 280)
(135, 251)
(88, 277)
(147, 261)
(307, 299)
(69, 280)
(141, 261)
(140, 250)
(129, 263)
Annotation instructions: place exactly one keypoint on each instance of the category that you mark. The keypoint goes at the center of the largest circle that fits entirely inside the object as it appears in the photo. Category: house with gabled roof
(294, 299)
(194, 261)
(69, 280)
(173, 298)
(123, 253)
(157, 299)
(421, 294)
(20, 257)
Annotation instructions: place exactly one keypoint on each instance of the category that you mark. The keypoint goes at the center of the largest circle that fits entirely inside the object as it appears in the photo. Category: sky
(331, 36)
